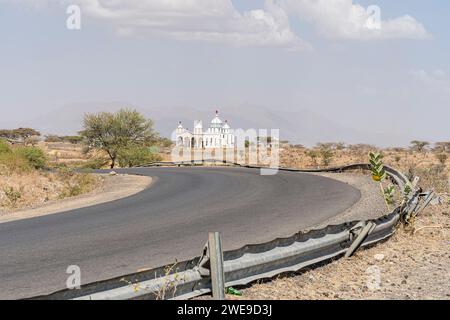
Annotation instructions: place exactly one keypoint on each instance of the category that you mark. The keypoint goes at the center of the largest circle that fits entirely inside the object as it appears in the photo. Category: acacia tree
(419, 145)
(25, 133)
(22, 133)
(113, 132)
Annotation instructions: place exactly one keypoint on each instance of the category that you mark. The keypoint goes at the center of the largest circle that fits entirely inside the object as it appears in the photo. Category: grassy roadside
(25, 182)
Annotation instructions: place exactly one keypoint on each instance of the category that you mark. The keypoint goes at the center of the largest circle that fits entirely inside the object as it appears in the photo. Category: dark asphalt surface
(165, 222)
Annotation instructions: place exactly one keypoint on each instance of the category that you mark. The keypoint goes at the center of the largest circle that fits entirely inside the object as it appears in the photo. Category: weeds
(75, 183)
(12, 195)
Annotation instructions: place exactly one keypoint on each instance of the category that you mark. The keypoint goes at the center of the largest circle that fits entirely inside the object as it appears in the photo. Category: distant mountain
(298, 126)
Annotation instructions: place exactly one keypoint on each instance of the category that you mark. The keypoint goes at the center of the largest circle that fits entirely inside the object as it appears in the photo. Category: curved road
(167, 221)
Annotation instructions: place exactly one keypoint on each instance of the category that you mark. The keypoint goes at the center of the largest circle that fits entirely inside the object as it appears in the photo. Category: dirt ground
(413, 264)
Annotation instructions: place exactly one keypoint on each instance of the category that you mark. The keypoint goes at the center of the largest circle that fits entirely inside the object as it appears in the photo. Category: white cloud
(220, 21)
(199, 20)
(343, 19)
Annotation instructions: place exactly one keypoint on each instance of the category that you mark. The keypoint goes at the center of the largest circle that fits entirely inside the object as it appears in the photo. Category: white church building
(218, 135)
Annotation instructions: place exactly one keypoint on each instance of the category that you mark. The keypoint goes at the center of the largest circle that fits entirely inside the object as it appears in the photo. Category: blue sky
(286, 55)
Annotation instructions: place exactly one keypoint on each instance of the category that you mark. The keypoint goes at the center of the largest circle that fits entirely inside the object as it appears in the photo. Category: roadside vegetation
(413, 264)
(125, 136)
(26, 181)
(36, 169)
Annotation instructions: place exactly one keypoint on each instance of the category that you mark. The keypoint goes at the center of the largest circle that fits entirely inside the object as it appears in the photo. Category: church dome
(216, 122)
(226, 125)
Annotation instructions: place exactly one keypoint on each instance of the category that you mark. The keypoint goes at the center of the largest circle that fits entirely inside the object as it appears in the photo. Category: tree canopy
(113, 132)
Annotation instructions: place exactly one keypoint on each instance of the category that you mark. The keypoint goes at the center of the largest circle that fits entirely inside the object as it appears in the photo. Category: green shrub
(4, 147)
(97, 163)
(35, 156)
(136, 156)
(326, 155)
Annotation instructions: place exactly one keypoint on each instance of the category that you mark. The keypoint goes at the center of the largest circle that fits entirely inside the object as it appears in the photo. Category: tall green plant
(378, 175)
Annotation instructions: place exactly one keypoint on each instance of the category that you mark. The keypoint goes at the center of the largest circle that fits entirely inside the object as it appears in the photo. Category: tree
(7, 134)
(113, 132)
(419, 145)
(25, 133)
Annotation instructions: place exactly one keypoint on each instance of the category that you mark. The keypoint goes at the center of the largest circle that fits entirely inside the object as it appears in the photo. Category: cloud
(343, 19)
(219, 21)
(198, 20)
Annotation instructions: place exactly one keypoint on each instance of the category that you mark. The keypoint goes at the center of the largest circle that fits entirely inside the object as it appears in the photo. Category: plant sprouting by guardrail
(379, 175)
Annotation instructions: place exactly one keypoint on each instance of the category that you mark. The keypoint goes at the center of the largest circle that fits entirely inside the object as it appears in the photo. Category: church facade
(217, 135)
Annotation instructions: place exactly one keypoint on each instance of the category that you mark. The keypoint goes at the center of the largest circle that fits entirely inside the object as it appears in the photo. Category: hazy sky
(318, 55)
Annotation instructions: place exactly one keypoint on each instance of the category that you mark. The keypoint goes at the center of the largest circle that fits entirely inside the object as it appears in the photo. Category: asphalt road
(165, 222)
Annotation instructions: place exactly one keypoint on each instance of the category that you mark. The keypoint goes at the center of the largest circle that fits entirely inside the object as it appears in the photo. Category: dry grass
(30, 188)
(414, 264)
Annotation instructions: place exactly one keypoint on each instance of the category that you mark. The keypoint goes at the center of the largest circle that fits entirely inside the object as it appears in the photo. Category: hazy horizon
(309, 68)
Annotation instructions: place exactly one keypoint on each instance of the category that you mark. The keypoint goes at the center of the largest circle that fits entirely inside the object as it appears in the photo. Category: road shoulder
(114, 187)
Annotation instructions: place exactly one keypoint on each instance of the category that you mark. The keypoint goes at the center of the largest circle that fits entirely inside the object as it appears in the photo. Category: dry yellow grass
(413, 264)
(426, 165)
(26, 189)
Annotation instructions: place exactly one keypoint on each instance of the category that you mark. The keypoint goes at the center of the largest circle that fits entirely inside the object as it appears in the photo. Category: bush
(326, 155)
(14, 162)
(12, 195)
(4, 147)
(131, 157)
(76, 183)
(35, 156)
(72, 139)
(97, 163)
(52, 138)
(442, 157)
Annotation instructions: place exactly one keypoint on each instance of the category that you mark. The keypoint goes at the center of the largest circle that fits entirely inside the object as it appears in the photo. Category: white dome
(216, 122)
(180, 126)
(226, 125)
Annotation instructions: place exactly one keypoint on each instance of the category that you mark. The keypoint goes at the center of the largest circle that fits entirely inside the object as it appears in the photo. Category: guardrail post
(216, 266)
(360, 238)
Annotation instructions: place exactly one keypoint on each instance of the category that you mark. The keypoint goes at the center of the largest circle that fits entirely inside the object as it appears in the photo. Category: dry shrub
(76, 183)
(14, 162)
(432, 177)
(38, 187)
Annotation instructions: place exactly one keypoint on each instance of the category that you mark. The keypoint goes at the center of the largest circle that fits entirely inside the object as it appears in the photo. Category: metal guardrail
(191, 278)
